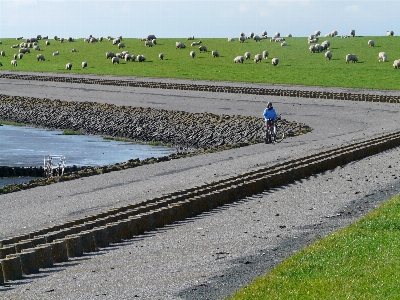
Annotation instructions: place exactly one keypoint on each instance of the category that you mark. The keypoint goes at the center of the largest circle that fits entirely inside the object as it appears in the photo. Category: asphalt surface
(216, 253)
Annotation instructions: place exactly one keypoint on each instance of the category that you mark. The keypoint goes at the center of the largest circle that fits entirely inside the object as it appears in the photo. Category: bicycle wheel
(280, 134)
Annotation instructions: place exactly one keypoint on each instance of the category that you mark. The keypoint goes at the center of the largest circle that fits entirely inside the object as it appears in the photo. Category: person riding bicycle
(270, 115)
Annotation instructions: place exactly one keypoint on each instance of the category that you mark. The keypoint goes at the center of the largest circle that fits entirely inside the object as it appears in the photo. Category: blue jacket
(270, 113)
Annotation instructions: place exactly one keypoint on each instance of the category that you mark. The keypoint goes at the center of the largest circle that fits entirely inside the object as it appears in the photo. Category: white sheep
(127, 57)
(264, 33)
(382, 56)
(14, 63)
(84, 64)
(203, 48)
(289, 35)
(20, 55)
(16, 56)
(47, 43)
(115, 60)
(2, 53)
(325, 45)
(148, 43)
(371, 43)
(121, 45)
(275, 61)
(283, 44)
(351, 57)
(192, 54)
(257, 58)
(141, 58)
(251, 35)
(214, 53)
(133, 57)
(247, 55)
(190, 38)
(154, 41)
(68, 66)
(180, 45)
(238, 59)
(328, 55)
(256, 38)
(110, 55)
(396, 64)
(265, 54)
(56, 53)
(161, 56)
(73, 50)
(353, 33)
(40, 57)
(195, 43)
(36, 47)
(231, 39)
(390, 33)
(150, 37)
(277, 34)
(317, 33)
(242, 39)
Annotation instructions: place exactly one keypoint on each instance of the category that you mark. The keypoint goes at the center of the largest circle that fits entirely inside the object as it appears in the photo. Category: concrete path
(210, 256)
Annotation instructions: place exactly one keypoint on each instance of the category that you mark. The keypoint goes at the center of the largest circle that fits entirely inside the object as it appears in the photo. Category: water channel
(24, 146)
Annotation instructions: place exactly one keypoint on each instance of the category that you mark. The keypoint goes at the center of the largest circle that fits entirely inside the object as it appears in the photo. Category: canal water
(24, 146)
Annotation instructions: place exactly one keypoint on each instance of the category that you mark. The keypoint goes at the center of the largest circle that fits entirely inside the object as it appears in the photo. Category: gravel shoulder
(212, 255)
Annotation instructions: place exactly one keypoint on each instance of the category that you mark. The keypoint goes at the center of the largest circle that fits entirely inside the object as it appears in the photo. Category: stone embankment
(176, 128)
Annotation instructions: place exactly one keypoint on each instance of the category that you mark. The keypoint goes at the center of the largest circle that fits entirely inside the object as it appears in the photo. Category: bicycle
(274, 133)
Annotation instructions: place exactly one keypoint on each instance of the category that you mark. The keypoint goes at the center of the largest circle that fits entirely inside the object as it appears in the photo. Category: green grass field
(297, 64)
(359, 262)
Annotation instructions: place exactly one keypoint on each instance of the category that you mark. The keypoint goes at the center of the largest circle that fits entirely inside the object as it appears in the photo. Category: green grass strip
(358, 262)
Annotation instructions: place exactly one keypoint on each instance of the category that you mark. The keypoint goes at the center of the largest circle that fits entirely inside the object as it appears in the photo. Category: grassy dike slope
(297, 64)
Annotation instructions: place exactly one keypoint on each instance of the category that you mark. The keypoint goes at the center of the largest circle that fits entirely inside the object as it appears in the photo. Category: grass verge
(358, 262)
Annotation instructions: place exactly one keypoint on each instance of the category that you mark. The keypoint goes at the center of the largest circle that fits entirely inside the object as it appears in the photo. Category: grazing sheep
(264, 33)
(161, 56)
(396, 64)
(312, 49)
(283, 44)
(68, 66)
(312, 41)
(371, 43)
(84, 64)
(317, 33)
(2, 53)
(36, 48)
(116, 41)
(56, 53)
(251, 35)
(203, 48)
(61, 40)
(214, 53)
(276, 35)
(190, 38)
(353, 33)
(247, 55)
(148, 43)
(121, 45)
(328, 55)
(390, 33)
(20, 55)
(180, 45)
(73, 50)
(14, 63)
(257, 58)
(40, 57)
(19, 38)
(275, 61)
(192, 54)
(16, 56)
(133, 57)
(238, 59)
(154, 41)
(382, 56)
(141, 58)
(47, 43)
(351, 57)
(127, 57)
(231, 39)
(151, 37)
(70, 39)
(289, 35)
(195, 43)
(120, 55)
(55, 38)
(115, 60)
(265, 54)
(256, 38)
(110, 55)
(325, 45)
(242, 38)
(14, 46)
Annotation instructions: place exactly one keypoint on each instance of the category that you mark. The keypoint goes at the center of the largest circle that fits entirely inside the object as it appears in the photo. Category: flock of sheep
(151, 40)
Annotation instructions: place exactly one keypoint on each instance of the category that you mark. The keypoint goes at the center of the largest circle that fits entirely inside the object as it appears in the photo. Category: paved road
(212, 255)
